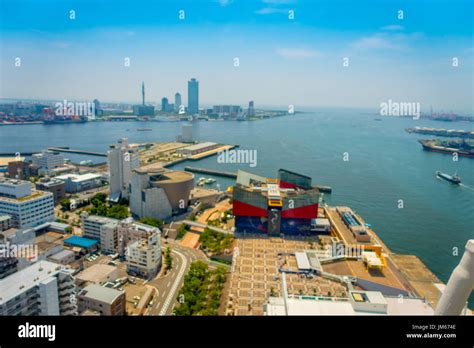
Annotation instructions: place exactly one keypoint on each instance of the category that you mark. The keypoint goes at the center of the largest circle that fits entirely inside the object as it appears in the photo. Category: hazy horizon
(281, 61)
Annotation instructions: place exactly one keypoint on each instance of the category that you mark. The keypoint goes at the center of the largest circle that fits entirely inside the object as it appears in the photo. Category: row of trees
(215, 242)
(201, 291)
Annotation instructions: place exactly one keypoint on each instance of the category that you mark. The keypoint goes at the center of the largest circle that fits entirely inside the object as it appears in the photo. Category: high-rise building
(251, 109)
(193, 96)
(164, 104)
(27, 207)
(177, 102)
(186, 134)
(44, 288)
(122, 159)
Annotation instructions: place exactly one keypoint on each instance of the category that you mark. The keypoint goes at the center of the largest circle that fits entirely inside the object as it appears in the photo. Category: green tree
(152, 222)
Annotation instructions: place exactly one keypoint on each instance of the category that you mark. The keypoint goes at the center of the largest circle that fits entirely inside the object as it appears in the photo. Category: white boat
(210, 181)
(201, 181)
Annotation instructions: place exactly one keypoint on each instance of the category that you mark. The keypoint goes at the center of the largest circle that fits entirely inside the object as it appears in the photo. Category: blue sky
(282, 61)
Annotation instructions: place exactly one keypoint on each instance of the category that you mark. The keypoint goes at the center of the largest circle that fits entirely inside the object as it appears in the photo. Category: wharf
(211, 171)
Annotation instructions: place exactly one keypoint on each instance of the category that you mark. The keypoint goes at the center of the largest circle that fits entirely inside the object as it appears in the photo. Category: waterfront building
(78, 183)
(159, 193)
(164, 104)
(193, 96)
(251, 109)
(44, 288)
(122, 159)
(47, 160)
(177, 102)
(55, 186)
(226, 110)
(286, 205)
(198, 148)
(144, 256)
(104, 300)
(27, 207)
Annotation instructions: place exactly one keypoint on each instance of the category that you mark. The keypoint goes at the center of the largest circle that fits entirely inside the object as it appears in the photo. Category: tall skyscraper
(193, 96)
(251, 109)
(143, 93)
(164, 104)
(177, 101)
(122, 160)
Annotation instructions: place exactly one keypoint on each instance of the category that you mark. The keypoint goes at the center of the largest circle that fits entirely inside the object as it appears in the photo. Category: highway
(168, 286)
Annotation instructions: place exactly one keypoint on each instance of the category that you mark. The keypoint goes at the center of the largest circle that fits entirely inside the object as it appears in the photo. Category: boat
(201, 181)
(86, 163)
(455, 179)
(210, 181)
(65, 120)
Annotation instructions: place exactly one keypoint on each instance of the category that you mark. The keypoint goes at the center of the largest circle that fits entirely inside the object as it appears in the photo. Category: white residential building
(47, 161)
(44, 288)
(144, 256)
(78, 183)
(130, 231)
(92, 225)
(122, 159)
(27, 207)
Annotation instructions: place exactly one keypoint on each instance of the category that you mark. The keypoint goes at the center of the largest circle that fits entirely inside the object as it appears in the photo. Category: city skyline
(241, 51)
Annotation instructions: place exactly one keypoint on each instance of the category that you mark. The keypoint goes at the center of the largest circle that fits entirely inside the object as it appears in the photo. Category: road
(167, 287)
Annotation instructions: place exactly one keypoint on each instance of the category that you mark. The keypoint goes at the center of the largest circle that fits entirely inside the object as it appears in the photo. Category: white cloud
(377, 41)
(393, 27)
(270, 10)
(297, 52)
(224, 3)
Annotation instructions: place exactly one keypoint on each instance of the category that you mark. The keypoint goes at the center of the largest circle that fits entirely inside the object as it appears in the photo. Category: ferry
(455, 179)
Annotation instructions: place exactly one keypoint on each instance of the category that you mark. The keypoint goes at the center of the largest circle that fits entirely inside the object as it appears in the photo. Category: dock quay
(80, 152)
(211, 171)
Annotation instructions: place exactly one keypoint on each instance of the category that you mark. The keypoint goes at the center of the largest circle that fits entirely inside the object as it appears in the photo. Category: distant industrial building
(286, 205)
(104, 300)
(144, 256)
(47, 161)
(198, 148)
(82, 244)
(122, 159)
(44, 288)
(226, 110)
(159, 193)
(27, 207)
(55, 186)
(193, 96)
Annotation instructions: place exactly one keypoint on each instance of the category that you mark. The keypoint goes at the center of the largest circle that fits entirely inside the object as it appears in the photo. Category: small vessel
(201, 181)
(210, 181)
(86, 163)
(455, 179)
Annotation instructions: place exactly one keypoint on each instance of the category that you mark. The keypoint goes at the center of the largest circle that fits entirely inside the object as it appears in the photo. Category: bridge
(81, 152)
(199, 224)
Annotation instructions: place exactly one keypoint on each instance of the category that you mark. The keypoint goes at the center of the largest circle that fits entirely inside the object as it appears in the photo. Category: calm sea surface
(386, 164)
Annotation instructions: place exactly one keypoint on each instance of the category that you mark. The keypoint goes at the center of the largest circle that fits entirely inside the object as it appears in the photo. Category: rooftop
(100, 293)
(79, 177)
(96, 273)
(27, 278)
(80, 241)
